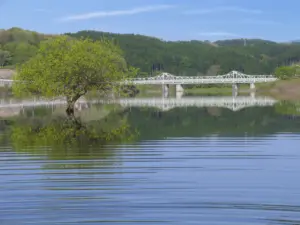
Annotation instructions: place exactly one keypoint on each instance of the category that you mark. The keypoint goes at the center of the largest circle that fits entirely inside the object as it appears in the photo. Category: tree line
(152, 55)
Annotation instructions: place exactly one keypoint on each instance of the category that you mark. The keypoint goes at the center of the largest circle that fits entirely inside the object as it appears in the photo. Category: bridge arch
(234, 75)
(165, 76)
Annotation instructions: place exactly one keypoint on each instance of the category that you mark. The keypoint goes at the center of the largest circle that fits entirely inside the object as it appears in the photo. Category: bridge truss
(234, 77)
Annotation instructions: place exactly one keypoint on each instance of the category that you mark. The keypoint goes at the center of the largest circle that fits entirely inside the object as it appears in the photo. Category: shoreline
(288, 90)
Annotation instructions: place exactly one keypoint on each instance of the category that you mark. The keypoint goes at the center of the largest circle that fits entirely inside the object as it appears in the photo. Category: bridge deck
(233, 77)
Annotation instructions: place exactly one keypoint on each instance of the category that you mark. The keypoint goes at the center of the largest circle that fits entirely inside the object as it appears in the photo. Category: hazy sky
(167, 19)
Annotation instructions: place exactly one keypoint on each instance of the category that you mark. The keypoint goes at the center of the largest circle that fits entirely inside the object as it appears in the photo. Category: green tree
(5, 57)
(23, 52)
(69, 67)
(285, 72)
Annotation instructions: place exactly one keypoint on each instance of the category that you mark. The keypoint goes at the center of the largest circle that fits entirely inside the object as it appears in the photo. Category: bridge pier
(179, 88)
(234, 94)
(235, 90)
(252, 94)
(252, 86)
(179, 95)
(235, 87)
(165, 90)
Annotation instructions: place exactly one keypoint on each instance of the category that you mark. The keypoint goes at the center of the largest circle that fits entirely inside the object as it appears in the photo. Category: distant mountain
(244, 42)
(186, 58)
(252, 56)
(295, 42)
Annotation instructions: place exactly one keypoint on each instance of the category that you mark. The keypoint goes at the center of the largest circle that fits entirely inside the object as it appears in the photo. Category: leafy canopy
(285, 72)
(5, 57)
(69, 67)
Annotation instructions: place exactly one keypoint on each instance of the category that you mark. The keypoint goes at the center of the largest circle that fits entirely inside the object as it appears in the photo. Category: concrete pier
(235, 90)
(179, 95)
(179, 88)
(165, 90)
(252, 86)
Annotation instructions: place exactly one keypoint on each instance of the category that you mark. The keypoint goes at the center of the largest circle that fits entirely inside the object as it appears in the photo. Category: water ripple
(210, 180)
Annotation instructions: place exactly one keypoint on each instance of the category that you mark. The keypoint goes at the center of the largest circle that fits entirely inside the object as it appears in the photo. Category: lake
(211, 163)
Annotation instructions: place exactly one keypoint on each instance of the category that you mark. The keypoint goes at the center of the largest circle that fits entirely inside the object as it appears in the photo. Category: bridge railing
(232, 77)
(202, 78)
(203, 81)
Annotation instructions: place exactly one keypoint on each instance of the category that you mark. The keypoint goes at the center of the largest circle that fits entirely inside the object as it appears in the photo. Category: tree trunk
(71, 104)
(70, 108)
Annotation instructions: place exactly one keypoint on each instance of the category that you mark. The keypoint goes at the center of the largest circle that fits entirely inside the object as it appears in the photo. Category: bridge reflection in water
(233, 103)
(230, 102)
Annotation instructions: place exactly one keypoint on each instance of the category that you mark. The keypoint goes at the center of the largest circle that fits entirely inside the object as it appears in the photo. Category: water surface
(187, 165)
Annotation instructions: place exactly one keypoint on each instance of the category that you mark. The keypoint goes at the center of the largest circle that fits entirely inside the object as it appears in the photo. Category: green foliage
(191, 58)
(67, 132)
(21, 52)
(187, 58)
(5, 57)
(71, 68)
(62, 132)
(285, 72)
(21, 44)
(18, 35)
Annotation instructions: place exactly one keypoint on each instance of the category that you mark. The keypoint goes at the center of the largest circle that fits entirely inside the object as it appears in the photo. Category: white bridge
(166, 79)
(234, 78)
(164, 104)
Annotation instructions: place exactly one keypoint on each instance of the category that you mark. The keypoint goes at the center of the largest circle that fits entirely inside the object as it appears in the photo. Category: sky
(275, 20)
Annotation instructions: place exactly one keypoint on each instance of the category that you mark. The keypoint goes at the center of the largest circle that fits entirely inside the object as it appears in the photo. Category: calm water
(184, 166)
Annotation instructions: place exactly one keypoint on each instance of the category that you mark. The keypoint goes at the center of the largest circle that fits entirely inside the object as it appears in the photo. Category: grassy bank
(281, 89)
(153, 90)
(211, 90)
(215, 90)
(156, 90)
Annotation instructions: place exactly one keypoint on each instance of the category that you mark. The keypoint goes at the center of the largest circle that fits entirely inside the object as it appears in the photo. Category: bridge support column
(252, 86)
(252, 94)
(235, 90)
(235, 87)
(179, 88)
(179, 95)
(165, 90)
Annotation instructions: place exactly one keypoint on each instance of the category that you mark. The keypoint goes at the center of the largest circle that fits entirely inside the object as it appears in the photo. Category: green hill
(187, 58)
(19, 44)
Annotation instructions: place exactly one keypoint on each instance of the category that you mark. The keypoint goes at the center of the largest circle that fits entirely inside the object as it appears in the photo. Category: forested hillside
(17, 45)
(181, 57)
(194, 57)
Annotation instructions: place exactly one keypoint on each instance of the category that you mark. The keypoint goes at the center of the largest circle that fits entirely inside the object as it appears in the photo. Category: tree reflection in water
(62, 137)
